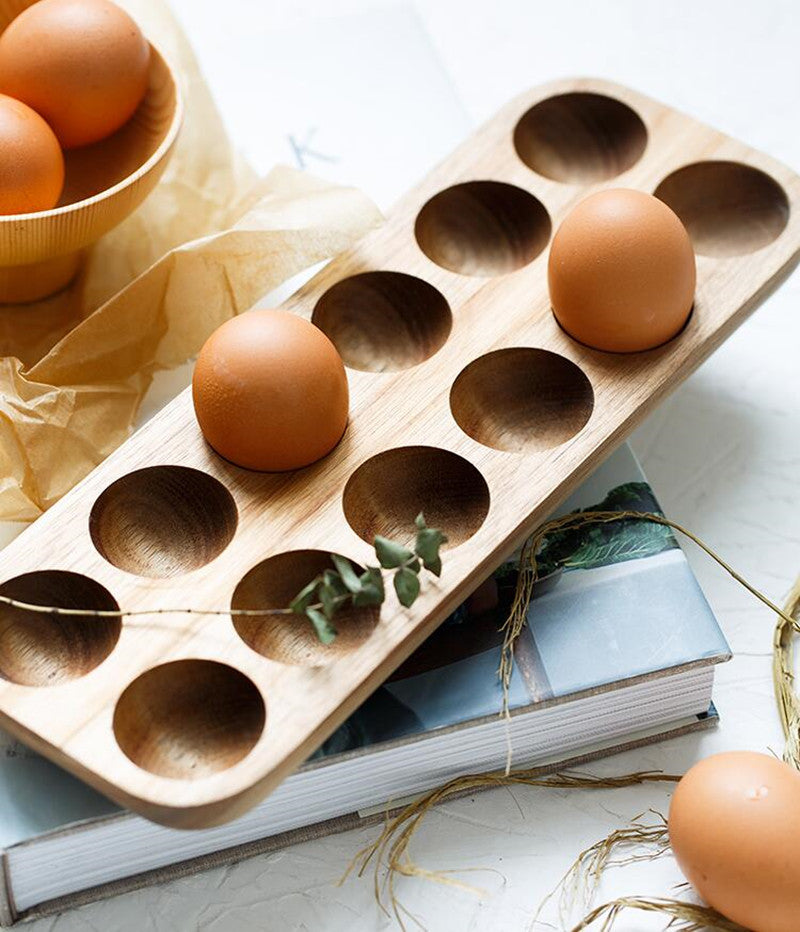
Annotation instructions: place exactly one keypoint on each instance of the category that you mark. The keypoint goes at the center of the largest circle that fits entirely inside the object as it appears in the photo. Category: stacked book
(619, 651)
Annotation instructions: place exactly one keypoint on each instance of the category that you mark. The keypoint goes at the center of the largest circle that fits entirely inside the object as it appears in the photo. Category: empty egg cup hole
(580, 138)
(729, 209)
(521, 400)
(384, 321)
(386, 493)
(39, 649)
(189, 719)
(163, 521)
(483, 228)
(290, 638)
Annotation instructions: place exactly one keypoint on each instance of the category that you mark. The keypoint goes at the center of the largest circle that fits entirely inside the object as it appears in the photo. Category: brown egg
(270, 391)
(621, 272)
(734, 825)
(31, 161)
(81, 64)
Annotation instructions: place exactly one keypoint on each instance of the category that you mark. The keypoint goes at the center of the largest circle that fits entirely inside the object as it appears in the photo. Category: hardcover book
(619, 650)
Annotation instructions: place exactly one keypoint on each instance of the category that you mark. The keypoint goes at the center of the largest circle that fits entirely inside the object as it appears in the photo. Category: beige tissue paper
(208, 242)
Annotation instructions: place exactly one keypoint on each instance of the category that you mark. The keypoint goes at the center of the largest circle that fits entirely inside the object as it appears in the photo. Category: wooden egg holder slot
(468, 402)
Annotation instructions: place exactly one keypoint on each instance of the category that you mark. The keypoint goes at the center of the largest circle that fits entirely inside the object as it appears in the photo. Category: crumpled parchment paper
(208, 242)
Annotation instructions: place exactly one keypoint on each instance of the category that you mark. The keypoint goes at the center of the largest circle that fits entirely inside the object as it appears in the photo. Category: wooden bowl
(40, 253)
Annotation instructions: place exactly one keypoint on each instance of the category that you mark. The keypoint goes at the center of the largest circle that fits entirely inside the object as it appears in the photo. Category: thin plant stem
(134, 613)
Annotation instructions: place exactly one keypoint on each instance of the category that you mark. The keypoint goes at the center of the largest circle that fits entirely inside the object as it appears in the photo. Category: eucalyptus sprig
(325, 595)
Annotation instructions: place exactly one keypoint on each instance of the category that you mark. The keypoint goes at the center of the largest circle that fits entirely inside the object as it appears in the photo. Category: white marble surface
(723, 454)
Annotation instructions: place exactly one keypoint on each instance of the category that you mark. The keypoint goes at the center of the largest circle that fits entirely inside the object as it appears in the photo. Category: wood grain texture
(403, 451)
(41, 252)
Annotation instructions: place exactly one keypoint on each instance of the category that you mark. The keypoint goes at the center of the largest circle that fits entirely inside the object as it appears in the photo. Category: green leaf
(371, 591)
(368, 595)
(325, 630)
(429, 540)
(334, 581)
(373, 576)
(434, 566)
(391, 555)
(327, 595)
(600, 545)
(406, 585)
(618, 542)
(304, 597)
(419, 521)
(346, 571)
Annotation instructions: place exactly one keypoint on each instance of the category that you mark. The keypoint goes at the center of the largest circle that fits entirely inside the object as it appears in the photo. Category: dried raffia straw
(580, 883)
(391, 846)
(585, 872)
(390, 849)
(783, 676)
(518, 616)
(688, 916)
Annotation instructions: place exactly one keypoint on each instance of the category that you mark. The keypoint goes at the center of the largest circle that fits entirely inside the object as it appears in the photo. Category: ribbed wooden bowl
(40, 253)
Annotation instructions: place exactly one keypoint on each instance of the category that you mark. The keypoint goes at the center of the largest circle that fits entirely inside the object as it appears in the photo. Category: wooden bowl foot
(22, 284)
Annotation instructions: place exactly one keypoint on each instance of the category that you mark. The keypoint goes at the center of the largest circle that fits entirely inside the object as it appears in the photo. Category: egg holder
(42, 252)
(468, 403)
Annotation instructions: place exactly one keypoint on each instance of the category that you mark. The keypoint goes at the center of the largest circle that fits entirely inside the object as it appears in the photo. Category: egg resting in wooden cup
(270, 392)
(622, 272)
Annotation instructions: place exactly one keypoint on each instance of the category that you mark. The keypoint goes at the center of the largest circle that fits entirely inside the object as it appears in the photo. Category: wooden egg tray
(468, 403)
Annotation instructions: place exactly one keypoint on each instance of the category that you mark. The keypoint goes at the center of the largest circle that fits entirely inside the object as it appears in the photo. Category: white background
(723, 452)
